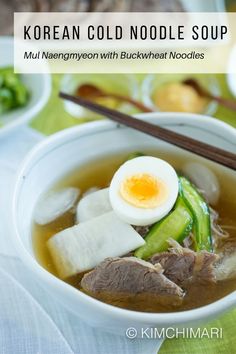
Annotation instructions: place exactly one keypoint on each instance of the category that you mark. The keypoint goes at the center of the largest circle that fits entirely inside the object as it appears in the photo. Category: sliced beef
(131, 276)
(182, 265)
(142, 230)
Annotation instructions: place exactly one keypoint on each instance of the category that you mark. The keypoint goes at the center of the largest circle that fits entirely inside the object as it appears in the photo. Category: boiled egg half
(143, 190)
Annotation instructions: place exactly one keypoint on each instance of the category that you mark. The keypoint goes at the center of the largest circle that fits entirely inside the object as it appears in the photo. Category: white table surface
(31, 322)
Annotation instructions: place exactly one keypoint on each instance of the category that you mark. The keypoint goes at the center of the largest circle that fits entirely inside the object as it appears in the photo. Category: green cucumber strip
(176, 225)
(201, 215)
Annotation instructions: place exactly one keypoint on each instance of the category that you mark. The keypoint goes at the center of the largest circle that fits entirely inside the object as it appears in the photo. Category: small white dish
(152, 83)
(119, 84)
(71, 148)
(39, 86)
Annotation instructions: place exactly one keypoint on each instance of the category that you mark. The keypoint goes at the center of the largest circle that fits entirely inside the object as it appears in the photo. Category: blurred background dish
(13, 92)
(230, 5)
(168, 93)
(204, 6)
(9, 7)
(231, 76)
(37, 87)
(123, 84)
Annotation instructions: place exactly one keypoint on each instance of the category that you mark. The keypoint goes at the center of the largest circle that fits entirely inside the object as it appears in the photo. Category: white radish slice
(83, 246)
(204, 179)
(93, 205)
(54, 204)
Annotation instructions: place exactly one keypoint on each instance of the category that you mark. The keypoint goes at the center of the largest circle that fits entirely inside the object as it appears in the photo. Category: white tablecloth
(31, 322)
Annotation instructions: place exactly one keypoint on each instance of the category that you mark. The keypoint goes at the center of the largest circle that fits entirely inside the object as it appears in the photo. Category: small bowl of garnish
(176, 93)
(13, 91)
(22, 96)
(118, 92)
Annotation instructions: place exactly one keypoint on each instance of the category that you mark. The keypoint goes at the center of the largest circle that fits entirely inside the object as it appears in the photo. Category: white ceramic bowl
(71, 148)
(231, 76)
(39, 86)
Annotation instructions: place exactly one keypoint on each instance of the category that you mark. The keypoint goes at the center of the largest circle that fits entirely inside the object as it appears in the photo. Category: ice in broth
(159, 273)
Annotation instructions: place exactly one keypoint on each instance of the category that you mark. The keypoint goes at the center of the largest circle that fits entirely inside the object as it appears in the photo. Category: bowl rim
(30, 113)
(231, 75)
(47, 278)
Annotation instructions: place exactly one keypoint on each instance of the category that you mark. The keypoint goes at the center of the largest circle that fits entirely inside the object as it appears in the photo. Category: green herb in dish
(177, 225)
(201, 215)
(13, 92)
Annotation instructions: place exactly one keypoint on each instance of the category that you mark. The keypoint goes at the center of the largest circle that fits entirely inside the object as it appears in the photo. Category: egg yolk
(143, 191)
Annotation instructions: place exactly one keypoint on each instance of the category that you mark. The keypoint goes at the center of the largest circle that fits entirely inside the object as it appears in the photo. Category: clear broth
(99, 174)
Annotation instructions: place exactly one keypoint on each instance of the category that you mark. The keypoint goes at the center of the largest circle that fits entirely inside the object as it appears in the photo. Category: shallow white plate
(39, 86)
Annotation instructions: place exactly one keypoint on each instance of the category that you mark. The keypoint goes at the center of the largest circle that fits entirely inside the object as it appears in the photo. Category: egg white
(149, 165)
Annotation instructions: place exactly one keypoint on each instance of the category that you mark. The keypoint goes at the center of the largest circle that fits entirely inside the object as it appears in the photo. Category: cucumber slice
(201, 215)
(176, 225)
